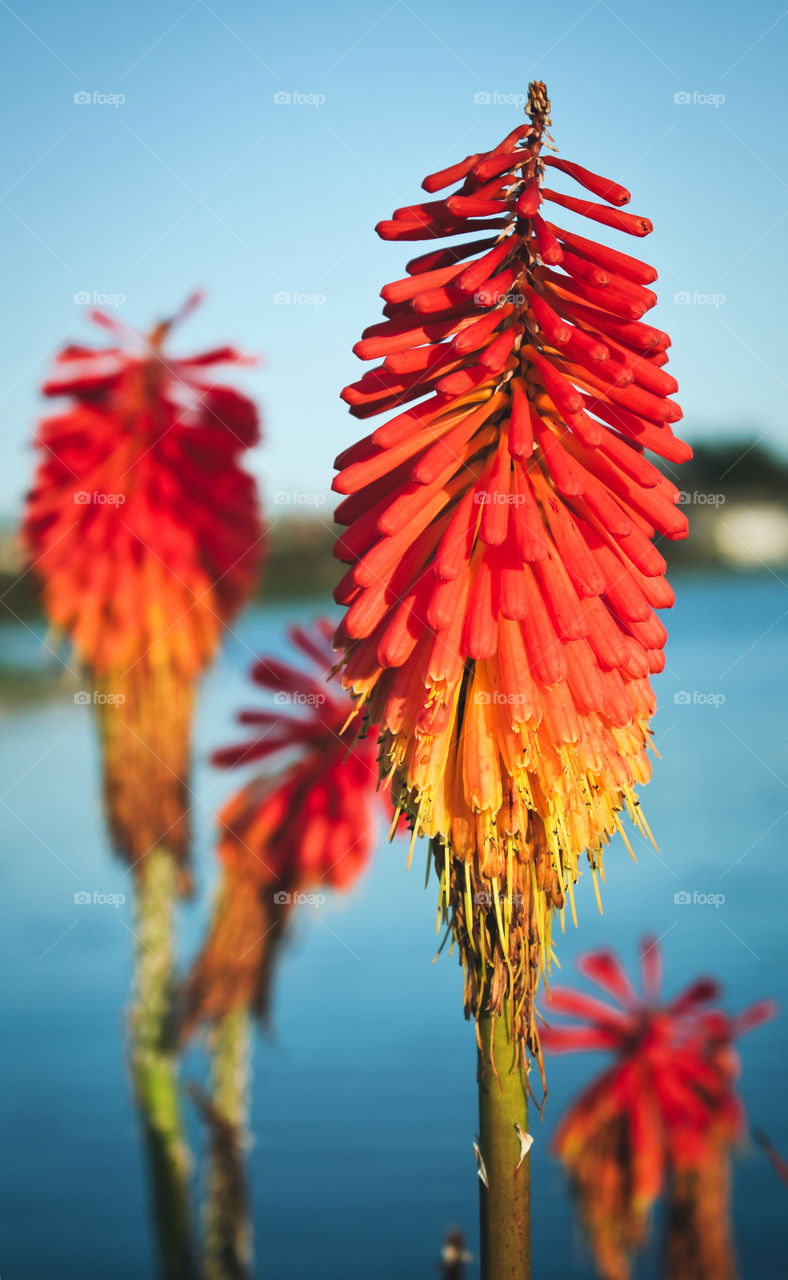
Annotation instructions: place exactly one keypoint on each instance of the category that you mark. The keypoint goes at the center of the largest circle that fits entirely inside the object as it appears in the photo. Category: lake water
(364, 1102)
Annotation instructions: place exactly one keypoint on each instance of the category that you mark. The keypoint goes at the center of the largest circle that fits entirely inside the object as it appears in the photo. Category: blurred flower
(454, 1255)
(308, 827)
(500, 598)
(667, 1107)
(145, 533)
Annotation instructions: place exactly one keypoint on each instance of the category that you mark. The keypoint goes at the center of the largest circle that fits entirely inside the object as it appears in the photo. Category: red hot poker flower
(141, 523)
(307, 827)
(145, 532)
(667, 1105)
(502, 585)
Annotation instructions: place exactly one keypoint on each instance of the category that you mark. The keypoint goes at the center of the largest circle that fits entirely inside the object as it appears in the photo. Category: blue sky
(200, 177)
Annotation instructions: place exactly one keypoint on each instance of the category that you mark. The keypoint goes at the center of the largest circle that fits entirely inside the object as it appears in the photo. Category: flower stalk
(154, 1064)
(227, 1230)
(505, 1187)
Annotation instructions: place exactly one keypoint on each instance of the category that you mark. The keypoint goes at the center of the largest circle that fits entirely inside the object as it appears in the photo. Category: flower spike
(500, 598)
(666, 1109)
(144, 530)
(303, 825)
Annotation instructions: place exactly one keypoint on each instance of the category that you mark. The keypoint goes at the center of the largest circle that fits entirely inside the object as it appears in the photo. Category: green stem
(154, 1064)
(227, 1250)
(505, 1204)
